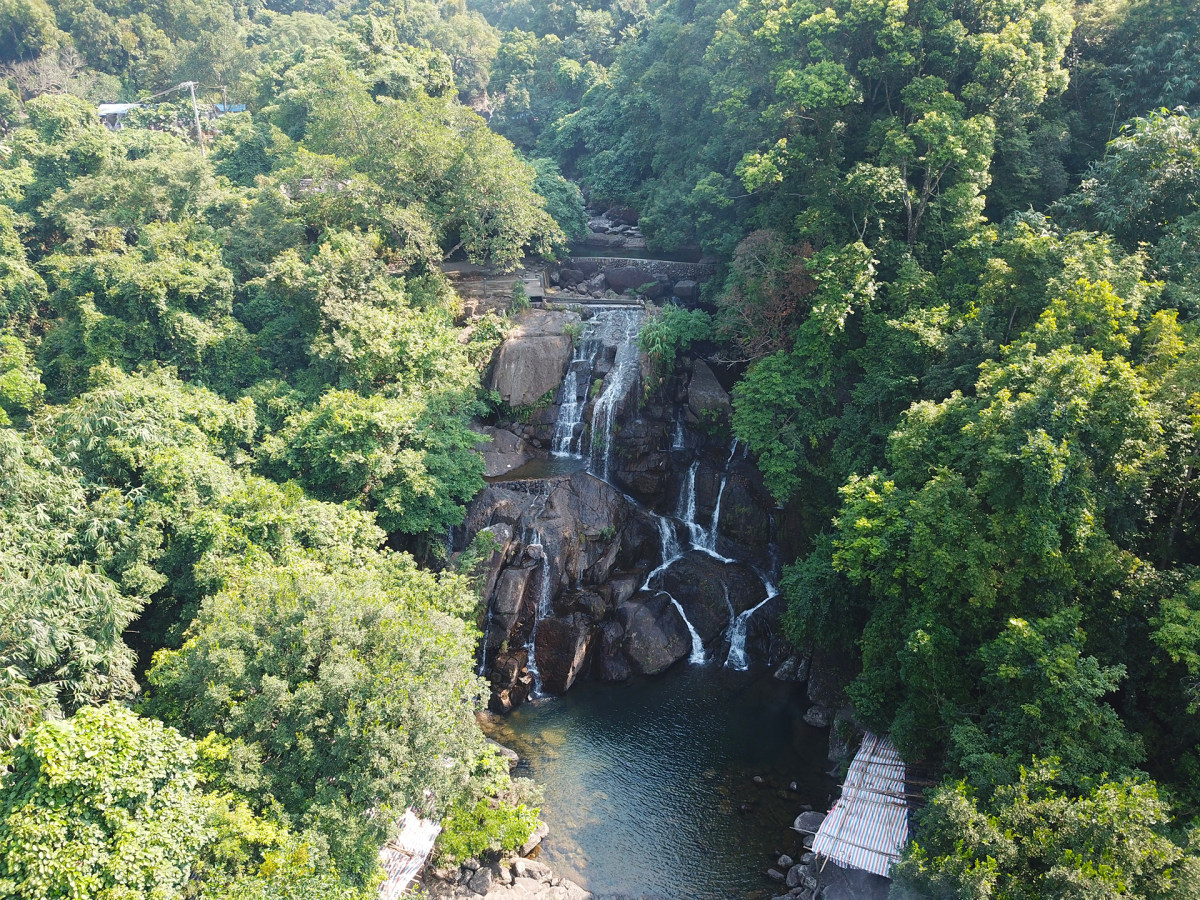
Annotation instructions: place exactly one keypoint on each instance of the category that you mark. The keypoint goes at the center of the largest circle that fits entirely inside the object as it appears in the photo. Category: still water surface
(649, 789)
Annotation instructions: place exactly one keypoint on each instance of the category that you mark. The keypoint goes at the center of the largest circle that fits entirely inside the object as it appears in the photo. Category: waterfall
(737, 658)
(623, 326)
(677, 441)
(697, 657)
(568, 430)
(540, 611)
(701, 538)
(670, 549)
(716, 517)
(487, 630)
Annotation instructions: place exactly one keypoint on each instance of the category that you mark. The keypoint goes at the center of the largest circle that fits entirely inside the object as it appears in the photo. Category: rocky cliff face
(629, 574)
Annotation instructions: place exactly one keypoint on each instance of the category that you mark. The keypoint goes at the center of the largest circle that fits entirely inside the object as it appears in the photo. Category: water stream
(648, 785)
(621, 327)
(540, 611)
(568, 427)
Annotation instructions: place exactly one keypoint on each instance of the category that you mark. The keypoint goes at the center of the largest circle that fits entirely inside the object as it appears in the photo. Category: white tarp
(403, 857)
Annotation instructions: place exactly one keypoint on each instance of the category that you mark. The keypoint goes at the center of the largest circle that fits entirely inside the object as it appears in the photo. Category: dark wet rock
(628, 278)
(686, 289)
(622, 214)
(839, 883)
(817, 716)
(707, 400)
(561, 650)
(794, 668)
(845, 735)
(655, 634)
(711, 592)
(828, 674)
(481, 881)
(808, 822)
(512, 587)
(611, 662)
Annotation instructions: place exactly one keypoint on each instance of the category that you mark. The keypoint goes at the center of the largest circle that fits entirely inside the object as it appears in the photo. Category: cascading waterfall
(623, 326)
(539, 612)
(737, 658)
(568, 430)
(672, 553)
(697, 657)
(677, 440)
(716, 517)
(705, 539)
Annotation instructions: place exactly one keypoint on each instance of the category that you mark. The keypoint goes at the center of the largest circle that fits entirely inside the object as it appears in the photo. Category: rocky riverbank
(511, 878)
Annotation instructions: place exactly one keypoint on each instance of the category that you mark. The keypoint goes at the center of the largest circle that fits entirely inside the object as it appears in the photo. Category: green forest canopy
(960, 284)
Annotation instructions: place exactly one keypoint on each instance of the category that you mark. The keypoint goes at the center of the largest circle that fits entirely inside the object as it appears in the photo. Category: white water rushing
(671, 551)
(737, 658)
(540, 611)
(697, 657)
(621, 326)
(568, 427)
(705, 539)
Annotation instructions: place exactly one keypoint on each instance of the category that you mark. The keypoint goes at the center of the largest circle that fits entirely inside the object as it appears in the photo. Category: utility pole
(191, 86)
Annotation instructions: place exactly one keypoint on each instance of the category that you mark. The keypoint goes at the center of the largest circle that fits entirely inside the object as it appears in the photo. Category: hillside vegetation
(960, 289)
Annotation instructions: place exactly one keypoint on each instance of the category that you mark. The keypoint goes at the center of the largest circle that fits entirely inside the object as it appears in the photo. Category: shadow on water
(537, 469)
(649, 789)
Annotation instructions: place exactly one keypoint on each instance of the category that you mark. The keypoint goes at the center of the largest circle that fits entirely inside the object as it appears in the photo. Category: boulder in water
(655, 634)
(562, 645)
(611, 663)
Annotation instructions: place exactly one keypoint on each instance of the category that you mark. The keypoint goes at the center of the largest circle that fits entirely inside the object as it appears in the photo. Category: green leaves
(101, 805)
(1033, 840)
(347, 688)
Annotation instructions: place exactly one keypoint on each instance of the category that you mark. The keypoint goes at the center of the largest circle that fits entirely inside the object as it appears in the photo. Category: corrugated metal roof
(403, 857)
(867, 827)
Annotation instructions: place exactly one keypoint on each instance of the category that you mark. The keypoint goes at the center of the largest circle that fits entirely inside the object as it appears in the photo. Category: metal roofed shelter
(867, 827)
(110, 113)
(403, 857)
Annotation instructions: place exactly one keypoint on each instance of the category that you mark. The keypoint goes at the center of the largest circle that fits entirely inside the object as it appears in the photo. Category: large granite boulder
(533, 358)
(504, 452)
(512, 587)
(562, 647)
(707, 400)
(655, 634)
(711, 592)
(611, 663)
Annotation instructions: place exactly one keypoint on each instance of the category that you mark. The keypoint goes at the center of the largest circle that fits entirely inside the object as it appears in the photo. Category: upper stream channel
(649, 785)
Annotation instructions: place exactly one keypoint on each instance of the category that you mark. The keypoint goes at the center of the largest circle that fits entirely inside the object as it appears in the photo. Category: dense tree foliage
(959, 248)
(959, 290)
(234, 384)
